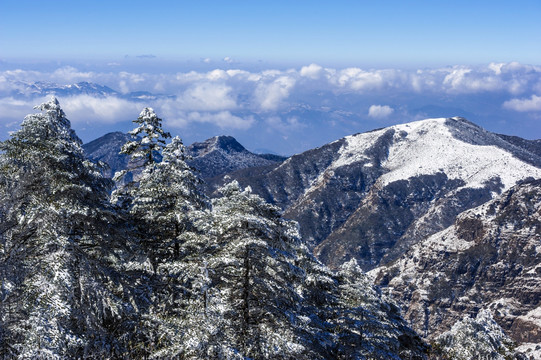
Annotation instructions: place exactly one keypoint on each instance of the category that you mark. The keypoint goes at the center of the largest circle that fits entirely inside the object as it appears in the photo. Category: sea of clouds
(287, 102)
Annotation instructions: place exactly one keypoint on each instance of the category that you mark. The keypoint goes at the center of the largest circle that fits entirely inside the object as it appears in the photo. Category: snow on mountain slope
(428, 147)
(373, 195)
(489, 258)
(431, 170)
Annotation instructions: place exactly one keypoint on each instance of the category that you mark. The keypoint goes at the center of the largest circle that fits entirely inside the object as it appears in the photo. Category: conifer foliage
(57, 260)
(157, 270)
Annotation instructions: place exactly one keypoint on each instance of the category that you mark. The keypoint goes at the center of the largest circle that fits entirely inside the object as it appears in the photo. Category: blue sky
(328, 32)
(284, 76)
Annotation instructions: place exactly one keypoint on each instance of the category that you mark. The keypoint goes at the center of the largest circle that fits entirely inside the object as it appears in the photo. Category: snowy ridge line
(427, 147)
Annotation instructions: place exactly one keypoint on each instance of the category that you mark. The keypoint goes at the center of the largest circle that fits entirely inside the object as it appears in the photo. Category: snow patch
(428, 147)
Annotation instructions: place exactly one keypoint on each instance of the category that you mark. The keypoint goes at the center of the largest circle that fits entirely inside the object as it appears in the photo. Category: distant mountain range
(373, 195)
(42, 88)
(211, 158)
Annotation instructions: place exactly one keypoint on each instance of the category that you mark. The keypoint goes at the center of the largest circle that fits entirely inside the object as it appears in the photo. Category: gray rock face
(489, 258)
(222, 154)
(106, 149)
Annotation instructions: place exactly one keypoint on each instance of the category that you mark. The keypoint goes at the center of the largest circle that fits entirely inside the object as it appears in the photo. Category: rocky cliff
(490, 258)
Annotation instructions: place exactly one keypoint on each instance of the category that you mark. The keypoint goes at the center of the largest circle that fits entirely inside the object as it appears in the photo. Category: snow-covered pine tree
(57, 258)
(253, 271)
(168, 200)
(368, 325)
(476, 338)
(144, 150)
(165, 200)
(140, 199)
(320, 299)
(149, 136)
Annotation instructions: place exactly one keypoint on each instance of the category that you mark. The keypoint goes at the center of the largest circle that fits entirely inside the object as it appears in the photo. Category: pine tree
(475, 338)
(60, 303)
(169, 201)
(144, 150)
(164, 201)
(367, 324)
(253, 271)
(320, 299)
(147, 147)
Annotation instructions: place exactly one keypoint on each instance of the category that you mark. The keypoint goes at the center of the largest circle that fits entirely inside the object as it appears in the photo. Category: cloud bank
(282, 101)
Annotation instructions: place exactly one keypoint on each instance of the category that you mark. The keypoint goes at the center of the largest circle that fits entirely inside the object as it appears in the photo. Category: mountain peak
(227, 144)
(221, 154)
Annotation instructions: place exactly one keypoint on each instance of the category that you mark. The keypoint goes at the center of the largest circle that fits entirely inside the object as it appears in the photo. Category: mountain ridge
(410, 179)
(212, 157)
(373, 195)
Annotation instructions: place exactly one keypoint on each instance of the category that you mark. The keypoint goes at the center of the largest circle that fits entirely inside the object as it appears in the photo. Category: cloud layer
(281, 101)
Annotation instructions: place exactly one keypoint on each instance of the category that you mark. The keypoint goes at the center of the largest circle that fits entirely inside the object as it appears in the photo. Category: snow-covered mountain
(490, 258)
(42, 88)
(373, 195)
(447, 212)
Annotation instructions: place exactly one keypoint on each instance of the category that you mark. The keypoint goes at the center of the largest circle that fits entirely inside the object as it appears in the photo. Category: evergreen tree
(320, 299)
(167, 195)
(476, 338)
(59, 301)
(367, 325)
(148, 146)
(144, 150)
(168, 201)
(253, 271)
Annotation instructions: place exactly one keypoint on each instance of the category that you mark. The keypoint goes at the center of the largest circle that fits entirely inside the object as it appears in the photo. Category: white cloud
(86, 108)
(217, 74)
(270, 96)
(218, 95)
(13, 111)
(312, 71)
(380, 111)
(524, 105)
(207, 97)
(496, 67)
(465, 80)
(222, 119)
(358, 79)
(69, 74)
